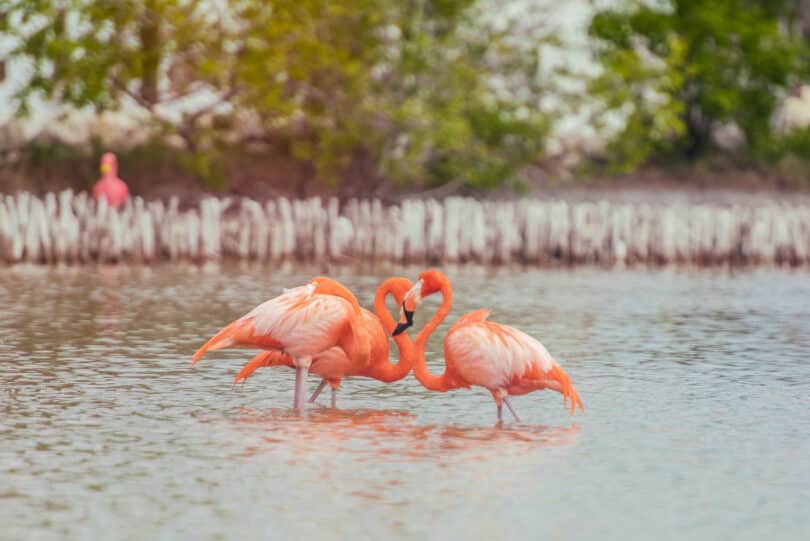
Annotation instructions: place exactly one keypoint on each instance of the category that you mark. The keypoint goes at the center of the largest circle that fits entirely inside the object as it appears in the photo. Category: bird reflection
(111, 279)
(367, 433)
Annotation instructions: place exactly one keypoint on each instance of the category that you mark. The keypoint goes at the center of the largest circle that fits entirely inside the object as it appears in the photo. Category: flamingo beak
(407, 315)
(412, 298)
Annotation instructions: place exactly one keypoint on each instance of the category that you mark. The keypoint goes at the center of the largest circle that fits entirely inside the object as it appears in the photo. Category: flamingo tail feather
(234, 334)
(265, 358)
(567, 388)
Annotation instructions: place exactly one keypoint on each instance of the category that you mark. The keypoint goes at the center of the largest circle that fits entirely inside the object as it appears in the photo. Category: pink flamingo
(332, 365)
(109, 186)
(321, 319)
(502, 359)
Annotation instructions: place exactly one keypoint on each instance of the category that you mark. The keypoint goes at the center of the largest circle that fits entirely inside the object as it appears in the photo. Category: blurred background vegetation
(379, 96)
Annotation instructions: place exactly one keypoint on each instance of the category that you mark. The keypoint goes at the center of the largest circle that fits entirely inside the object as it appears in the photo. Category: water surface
(696, 384)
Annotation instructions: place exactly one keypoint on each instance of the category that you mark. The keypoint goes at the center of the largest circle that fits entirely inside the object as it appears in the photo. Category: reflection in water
(395, 433)
(697, 387)
(108, 297)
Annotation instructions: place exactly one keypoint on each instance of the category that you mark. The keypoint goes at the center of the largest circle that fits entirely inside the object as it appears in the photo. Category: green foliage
(679, 70)
(795, 142)
(104, 54)
(400, 84)
(93, 53)
(786, 157)
(446, 121)
(400, 88)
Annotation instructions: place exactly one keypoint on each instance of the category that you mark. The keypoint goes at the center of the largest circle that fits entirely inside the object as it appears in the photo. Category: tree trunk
(698, 131)
(150, 52)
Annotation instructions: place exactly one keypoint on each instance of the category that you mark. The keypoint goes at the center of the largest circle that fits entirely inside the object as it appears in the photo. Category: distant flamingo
(305, 322)
(109, 186)
(499, 358)
(332, 366)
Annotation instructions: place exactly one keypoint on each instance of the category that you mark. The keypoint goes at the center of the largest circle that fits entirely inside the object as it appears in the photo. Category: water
(696, 385)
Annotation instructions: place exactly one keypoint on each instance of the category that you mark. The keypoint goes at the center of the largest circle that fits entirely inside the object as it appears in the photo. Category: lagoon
(696, 385)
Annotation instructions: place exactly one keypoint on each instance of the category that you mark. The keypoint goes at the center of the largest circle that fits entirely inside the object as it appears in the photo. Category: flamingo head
(398, 287)
(430, 282)
(109, 163)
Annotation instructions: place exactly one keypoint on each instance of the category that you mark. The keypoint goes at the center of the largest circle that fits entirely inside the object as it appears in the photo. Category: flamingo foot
(509, 405)
(318, 390)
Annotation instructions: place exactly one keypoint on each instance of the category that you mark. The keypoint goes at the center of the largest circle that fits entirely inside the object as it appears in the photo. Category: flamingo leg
(318, 390)
(334, 397)
(300, 386)
(500, 413)
(509, 405)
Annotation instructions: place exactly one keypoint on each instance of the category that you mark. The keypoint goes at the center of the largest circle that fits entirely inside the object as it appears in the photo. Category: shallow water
(696, 384)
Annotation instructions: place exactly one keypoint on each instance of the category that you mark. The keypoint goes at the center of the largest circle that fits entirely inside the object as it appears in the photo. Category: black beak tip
(408, 314)
(401, 327)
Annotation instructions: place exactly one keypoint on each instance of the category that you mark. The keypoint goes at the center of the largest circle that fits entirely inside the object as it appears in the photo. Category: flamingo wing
(372, 346)
(372, 332)
(304, 323)
(298, 321)
(500, 357)
(476, 316)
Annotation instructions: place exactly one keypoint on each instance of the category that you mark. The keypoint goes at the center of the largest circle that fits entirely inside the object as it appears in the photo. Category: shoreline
(571, 192)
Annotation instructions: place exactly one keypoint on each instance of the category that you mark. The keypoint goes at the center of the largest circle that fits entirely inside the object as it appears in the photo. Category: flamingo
(304, 322)
(109, 186)
(376, 328)
(319, 327)
(502, 359)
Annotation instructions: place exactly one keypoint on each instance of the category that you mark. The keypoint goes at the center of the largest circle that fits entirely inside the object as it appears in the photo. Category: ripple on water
(695, 383)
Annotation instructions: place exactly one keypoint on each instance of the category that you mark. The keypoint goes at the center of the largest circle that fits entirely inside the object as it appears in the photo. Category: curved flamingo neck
(420, 370)
(388, 322)
(385, 370)
(350, 341)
